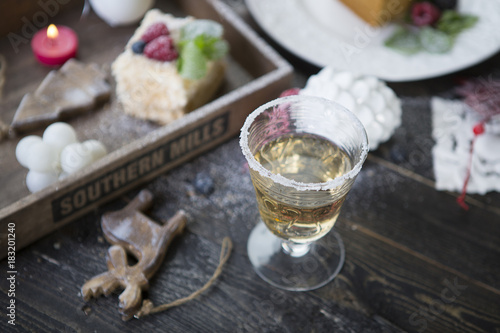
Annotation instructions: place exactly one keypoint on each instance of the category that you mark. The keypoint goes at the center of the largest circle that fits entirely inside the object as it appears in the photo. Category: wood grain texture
(23, 16)
(427, 221)
(414, 261)
(381, 286)
(252, 306)
(134, 140)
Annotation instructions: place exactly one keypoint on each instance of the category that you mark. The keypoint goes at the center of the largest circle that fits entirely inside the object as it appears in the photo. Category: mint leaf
(192, 63)
(217, 50)
(204, 43)
(201, 27)
(213, 48)
(404, 41)
(435, 41)
(453, 23)
(201, 41)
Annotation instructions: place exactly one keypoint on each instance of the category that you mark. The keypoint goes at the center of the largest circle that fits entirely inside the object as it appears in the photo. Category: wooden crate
(127, 167)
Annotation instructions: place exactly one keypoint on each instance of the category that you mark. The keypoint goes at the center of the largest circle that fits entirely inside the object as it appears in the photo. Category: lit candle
(55, 45)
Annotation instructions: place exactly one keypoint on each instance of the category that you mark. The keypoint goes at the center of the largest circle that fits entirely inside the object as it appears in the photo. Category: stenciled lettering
(154, 160)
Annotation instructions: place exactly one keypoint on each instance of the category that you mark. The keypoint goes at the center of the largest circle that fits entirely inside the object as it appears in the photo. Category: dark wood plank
(411, 145)
(381, 286)
(238, 302)
(415, 262)
(396, 206)
(413, 291)
(427, 221)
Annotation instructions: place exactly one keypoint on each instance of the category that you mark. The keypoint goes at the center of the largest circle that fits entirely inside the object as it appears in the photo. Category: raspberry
(424, 13)
(161, 48)
(290, 92)
(155, 30)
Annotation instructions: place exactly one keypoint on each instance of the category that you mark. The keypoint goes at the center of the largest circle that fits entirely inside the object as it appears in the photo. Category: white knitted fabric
(453, 123)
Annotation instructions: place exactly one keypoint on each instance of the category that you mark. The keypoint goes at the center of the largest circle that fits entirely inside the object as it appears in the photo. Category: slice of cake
(378, 12)
(170, 66)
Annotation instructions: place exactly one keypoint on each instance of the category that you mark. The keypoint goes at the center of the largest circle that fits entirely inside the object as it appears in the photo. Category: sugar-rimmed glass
(304, 154)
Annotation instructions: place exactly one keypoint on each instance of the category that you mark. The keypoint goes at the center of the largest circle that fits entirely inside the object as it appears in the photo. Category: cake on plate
(170, 66)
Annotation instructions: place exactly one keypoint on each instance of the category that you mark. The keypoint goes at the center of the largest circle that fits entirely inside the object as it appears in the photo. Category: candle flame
(52, 32)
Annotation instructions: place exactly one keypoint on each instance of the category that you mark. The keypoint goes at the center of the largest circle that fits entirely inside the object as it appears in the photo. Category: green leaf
(213, 48)
(201, 27)
(435, 41)
(201, 40)
(192, 63)
(204, 42)
(217, 50)
(453, 23)
(404, 41)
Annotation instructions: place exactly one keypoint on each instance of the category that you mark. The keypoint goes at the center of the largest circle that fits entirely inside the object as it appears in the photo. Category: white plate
(325, 32)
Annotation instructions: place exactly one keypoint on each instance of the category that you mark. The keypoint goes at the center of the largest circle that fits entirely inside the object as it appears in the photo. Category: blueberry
(138, 47)
(203, 183)
(398, 154)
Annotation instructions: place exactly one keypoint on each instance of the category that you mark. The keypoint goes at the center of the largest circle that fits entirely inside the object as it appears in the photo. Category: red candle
(55, 45)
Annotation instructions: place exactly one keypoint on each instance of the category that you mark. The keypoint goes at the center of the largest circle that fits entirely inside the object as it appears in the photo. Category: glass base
(301, 270)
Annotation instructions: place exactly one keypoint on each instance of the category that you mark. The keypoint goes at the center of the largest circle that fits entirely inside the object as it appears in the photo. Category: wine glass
(304, 154)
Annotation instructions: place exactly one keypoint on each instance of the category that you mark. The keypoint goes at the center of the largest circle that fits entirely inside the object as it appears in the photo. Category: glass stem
(295, 249)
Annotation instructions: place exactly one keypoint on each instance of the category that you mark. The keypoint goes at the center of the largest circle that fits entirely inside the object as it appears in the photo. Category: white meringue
(371, 100)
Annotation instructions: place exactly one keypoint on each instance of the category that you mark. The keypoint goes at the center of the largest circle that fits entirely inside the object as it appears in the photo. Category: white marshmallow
(75, 156)
(97, 149)
(36, 181)
(23, 146)
(59, 135)
(43, 157)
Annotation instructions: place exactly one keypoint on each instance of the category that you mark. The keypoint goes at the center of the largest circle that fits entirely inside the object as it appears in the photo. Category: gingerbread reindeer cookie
(130, 231)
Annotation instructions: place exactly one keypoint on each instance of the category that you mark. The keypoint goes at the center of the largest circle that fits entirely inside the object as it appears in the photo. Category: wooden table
(415, 260)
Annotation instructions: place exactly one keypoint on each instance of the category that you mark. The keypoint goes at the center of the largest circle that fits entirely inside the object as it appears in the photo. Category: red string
(478, 130)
